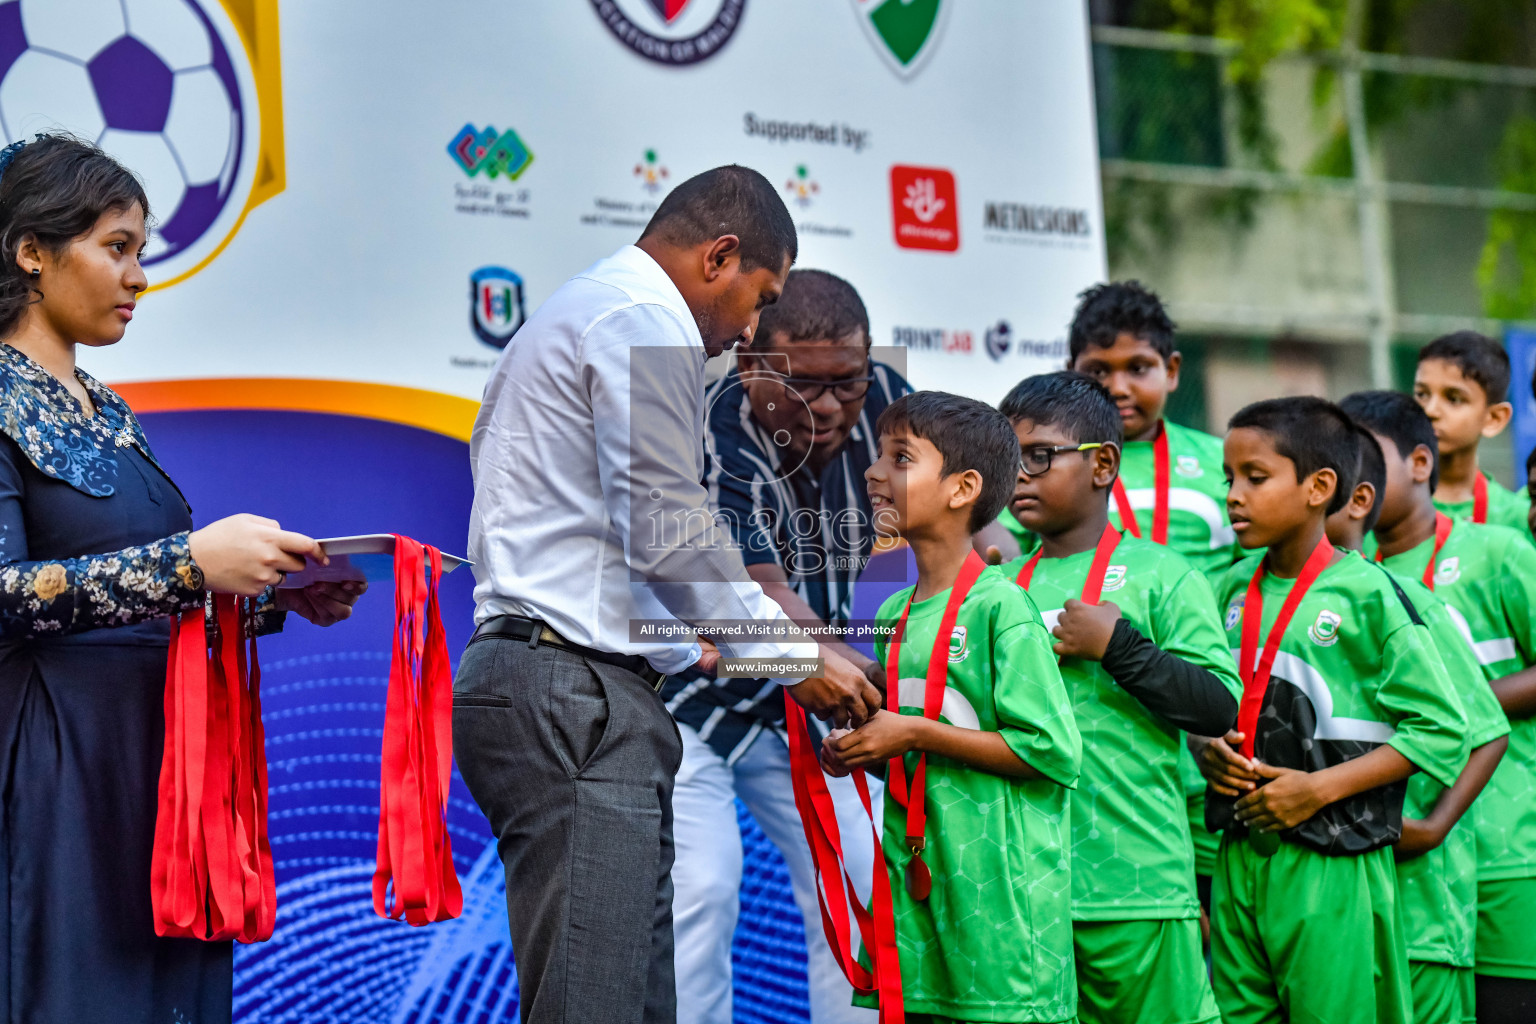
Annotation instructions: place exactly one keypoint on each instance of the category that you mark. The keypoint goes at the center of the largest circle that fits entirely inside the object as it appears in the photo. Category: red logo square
(925, 208)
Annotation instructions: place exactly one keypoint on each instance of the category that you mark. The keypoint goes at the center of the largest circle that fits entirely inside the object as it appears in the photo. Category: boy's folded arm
(1184, 694)
(1516, 693)
(1292, 796)
(1456, 800)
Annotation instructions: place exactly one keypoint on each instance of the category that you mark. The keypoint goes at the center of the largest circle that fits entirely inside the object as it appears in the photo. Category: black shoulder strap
(1402, 595)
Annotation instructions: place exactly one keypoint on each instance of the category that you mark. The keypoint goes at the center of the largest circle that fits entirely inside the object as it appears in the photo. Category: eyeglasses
(1037, 458)
(847, 389)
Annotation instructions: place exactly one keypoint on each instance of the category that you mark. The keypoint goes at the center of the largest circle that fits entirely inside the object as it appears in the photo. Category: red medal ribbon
(211, 871)
(933, 696)
(1443, 526)
(1480, 499)
(1256, 677)
(1093, 586)
(1161, 482)
(414, 854)
(835, 892)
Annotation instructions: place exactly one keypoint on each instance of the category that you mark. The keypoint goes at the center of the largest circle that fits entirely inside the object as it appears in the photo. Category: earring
(36, 273)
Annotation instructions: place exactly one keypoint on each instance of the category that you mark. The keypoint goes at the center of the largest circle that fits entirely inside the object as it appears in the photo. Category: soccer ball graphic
(149, 81)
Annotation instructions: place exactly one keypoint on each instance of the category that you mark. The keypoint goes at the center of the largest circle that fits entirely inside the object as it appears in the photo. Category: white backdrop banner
(379, 193)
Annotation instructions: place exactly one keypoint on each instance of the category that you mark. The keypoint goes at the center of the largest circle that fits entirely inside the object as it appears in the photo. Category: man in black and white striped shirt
(788, 434)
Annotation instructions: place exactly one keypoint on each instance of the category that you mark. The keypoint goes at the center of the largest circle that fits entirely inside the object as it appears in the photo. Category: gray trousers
(573, 762)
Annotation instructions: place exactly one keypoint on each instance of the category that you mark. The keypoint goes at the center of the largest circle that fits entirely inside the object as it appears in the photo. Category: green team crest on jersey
(905, 32)
(1325, 631)
(957, 648)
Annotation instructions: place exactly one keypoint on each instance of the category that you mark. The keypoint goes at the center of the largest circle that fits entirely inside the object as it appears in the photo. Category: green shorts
(1142, 972)
(1505, 909)
(1442, 994)
(1306, 938)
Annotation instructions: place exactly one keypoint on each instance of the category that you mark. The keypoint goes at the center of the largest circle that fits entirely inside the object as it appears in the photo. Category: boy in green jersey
(1147, 662)
(992, 939)
(1344, 697)
(1437, 854)
(1170, 475)
(1462, 382)
(1486, 575)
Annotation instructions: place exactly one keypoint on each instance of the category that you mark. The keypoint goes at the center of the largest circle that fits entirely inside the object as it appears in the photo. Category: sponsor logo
(173, 95)
(1188, 465)
(1114, 577)
(486, 155)
(904, 32)
(1448, 571)
(672, 32)
(1030, 224)
(496, 154)
(813, 132)
(1234, 613)
(628, 212)
(1325, 631)
(957, 649)
(925, 208)
(651, 174)
(998, 339)
(802, 187)
(803, 190)
(496, 305)
(932, 339)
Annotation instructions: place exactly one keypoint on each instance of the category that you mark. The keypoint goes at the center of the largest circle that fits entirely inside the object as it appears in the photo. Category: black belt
(534, 632)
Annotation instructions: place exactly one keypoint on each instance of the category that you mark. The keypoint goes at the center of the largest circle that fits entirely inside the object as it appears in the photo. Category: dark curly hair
(54, 190)
(1108, 310)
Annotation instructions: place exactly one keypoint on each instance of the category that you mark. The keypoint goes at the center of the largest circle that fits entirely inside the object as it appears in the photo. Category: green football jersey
(1505, 508)
(1439, 889)
(1197, 496)
(1132, 855)
(993, 941)
(1354, 671)
(1487, 576)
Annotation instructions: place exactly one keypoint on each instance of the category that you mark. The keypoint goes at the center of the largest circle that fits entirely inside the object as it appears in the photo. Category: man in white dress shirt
(590, 522)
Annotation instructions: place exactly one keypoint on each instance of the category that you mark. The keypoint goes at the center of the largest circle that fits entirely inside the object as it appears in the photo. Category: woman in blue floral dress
(97, 553)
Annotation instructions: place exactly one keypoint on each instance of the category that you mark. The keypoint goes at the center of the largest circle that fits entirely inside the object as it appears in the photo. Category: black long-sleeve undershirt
(1183, 694)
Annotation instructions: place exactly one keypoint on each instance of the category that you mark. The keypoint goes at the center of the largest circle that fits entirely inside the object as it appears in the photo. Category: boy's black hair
(1372, 469)
(1119, 307)
(814, 305)
(1396, 416)
(1530, 464)
(1312, 432)
(729, 200)
(969, 435)
(1072, 401)
(1478, 357)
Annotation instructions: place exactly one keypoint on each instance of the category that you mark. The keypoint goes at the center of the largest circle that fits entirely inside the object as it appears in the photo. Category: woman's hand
(324, 604)
(246, 554)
